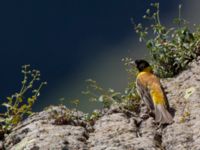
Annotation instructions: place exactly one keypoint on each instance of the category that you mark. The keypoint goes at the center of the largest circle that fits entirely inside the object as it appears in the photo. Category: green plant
(96, 93)
(171, 49)
(91, 118)
(75, 102)
(129, 99)
(66, 116)
(20, 104)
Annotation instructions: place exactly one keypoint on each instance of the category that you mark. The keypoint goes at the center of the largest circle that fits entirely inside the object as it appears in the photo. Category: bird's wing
(144, 93)
(166, 99)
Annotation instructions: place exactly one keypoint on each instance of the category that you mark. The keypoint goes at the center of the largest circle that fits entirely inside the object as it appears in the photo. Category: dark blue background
(62, 37)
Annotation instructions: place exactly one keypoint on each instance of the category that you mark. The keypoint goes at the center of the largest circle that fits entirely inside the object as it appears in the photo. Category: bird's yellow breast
(152, 84)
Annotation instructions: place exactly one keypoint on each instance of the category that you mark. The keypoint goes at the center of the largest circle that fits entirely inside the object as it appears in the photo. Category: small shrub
(171, 49)
(96, 93)
(91, 118)
(20, 104)
(64, 117)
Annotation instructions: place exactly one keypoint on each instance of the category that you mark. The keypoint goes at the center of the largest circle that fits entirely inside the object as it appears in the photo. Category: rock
(184, 96)
(39, 133)
(113, 131)
(117, 131)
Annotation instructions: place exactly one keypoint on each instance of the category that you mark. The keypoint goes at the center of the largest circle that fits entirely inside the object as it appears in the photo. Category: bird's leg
(145, 111)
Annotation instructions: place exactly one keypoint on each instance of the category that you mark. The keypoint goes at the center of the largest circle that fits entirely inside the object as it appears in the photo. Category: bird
(150, 90)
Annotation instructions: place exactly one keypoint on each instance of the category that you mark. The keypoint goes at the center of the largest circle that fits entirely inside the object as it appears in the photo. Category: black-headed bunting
(151, 92)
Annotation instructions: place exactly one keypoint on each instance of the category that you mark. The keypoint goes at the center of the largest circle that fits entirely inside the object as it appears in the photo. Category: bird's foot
(145, 116)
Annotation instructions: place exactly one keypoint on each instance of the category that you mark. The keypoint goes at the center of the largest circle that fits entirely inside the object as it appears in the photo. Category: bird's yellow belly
(157, 97)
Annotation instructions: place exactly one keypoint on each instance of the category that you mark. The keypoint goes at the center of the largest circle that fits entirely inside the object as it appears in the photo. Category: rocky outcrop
(39, 132)
(117, 128)
(117, 131)
(184, 95)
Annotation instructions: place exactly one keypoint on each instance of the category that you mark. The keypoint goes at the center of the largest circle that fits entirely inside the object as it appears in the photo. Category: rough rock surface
(184, 96)
(39, 132)
(119, 129)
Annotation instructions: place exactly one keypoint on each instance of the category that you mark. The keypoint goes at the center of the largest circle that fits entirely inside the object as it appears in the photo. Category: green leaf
(149, 44)
(2, 119)
(23, 108)
(9, 100)
(29, 112)
(148, 11)
(101, 98)
(6, 105)
(19, 99)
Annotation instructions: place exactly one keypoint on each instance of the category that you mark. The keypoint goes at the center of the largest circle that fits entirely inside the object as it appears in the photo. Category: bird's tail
(162, 115)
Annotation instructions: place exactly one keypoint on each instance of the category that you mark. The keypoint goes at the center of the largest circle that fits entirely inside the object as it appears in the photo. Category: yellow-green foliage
(91, 118)
(20, 104)
(96, 93)
(171, 49)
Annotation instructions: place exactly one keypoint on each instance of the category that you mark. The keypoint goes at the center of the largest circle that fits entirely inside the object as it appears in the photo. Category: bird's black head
(141, 64)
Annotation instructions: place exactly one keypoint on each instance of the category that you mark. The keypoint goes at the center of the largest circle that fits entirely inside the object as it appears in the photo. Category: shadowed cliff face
(117, 128)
